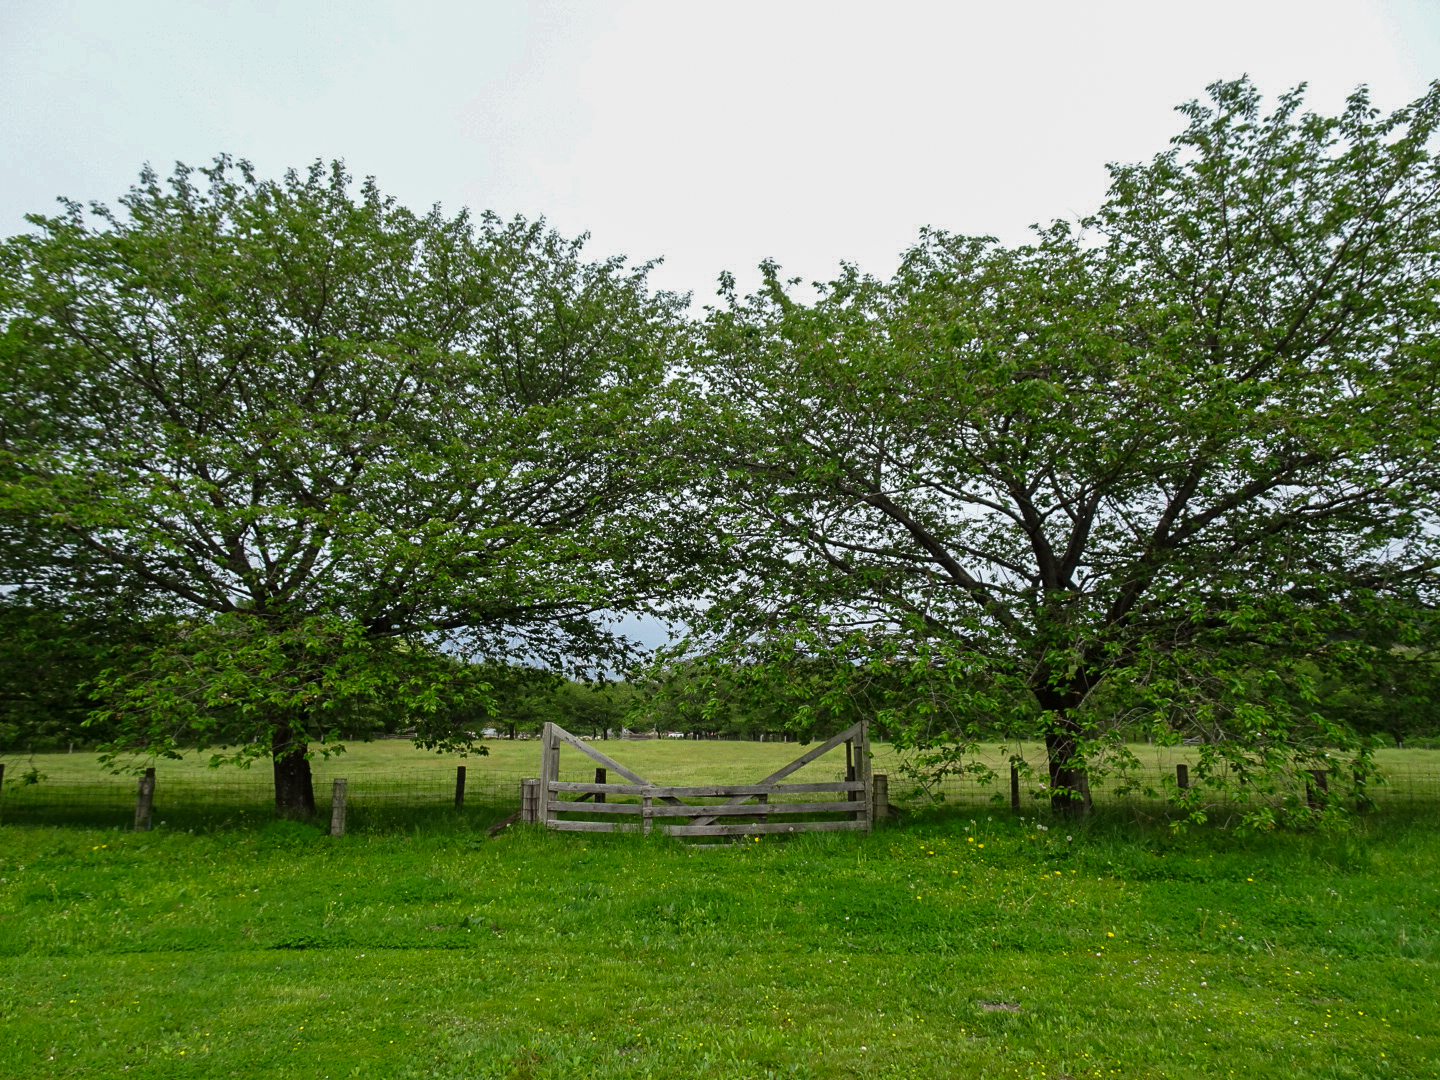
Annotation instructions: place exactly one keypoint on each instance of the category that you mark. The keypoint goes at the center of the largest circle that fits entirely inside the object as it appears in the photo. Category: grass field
(956, 946)
(663, 760)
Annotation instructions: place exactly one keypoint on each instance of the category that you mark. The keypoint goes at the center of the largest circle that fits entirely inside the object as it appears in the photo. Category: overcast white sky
(714, 134)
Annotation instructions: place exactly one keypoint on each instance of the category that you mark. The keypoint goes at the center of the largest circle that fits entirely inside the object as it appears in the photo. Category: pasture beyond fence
(391, 782)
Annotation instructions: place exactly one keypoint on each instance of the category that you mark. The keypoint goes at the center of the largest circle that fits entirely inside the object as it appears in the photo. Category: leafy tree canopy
(1149, 469)
(49, 660)
(328, 445)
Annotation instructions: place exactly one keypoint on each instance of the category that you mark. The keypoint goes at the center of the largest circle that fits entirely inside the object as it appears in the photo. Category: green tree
(796, 695)
(524, 698)
(1116, 473)
(331, 444)
(595, 708)
(49, 660)
(528, 698)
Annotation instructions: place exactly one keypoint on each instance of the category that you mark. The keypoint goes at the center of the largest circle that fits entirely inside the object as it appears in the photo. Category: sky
(712, 134)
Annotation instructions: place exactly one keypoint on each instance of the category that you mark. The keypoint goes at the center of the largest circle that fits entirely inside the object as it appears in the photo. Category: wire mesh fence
(1410, 781)
(186, 801)
(184, 798)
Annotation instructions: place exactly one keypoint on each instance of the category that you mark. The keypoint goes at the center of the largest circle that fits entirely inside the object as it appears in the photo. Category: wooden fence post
(647, 813)
(1015, 787)
(459, 786)
(145, 801)
(850, 796)
(880, 794)
(1317, 794)
(1182, 776)
(549, 768)
(337, 808)
(862, 773)
(600, 775)
(530, 801)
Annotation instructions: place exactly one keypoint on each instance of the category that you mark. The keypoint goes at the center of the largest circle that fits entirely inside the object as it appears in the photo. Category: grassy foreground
(958, 947)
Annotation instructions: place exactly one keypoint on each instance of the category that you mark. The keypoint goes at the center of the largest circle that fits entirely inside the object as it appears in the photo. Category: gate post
(549, 769)
(850, 796)
(880, 786)
(862, 773)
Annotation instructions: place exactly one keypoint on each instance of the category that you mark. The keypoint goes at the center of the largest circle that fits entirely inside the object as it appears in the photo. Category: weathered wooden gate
(546, 798)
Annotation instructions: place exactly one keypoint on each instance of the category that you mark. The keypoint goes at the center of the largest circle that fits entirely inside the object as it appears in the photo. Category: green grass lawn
(957, 946)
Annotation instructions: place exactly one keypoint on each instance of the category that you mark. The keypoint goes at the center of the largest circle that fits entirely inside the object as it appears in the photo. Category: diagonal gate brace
(854, 732)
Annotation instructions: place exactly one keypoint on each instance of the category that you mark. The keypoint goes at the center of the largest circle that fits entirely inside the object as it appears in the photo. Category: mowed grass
(970, 945)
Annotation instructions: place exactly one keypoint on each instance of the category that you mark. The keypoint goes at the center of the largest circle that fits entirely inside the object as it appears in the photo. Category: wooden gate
(548, 797)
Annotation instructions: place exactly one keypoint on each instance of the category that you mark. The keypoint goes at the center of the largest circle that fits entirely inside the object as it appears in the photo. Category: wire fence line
(1412, 784)
(184, 797)
(112, 800)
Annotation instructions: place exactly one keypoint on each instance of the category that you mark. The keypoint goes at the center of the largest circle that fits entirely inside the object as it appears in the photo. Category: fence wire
(188, 800)
(183, 799)
(1412, 784)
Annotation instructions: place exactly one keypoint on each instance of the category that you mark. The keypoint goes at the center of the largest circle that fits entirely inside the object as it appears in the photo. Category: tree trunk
(1069, 783)
(294, 787)
(1066, 772)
